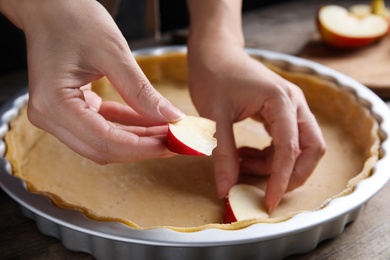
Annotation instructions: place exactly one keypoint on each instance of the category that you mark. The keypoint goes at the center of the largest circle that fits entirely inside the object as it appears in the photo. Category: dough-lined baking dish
(179, 192)
(340, 103)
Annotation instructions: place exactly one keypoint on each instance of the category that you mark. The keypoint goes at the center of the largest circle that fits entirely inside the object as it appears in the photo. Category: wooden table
(285, 28)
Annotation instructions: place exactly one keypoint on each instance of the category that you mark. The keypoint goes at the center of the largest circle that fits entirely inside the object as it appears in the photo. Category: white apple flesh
(360, 10)
(244, 202)
(343, 29)
(192, 135)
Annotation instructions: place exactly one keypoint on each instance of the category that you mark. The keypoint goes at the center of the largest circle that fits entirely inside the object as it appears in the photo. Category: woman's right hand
(70, 44)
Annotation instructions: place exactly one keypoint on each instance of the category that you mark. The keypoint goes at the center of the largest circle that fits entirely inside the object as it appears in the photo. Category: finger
(256, 162)
(312, 145)
(93, 137)
(92, 99)
(123, 114)
(111, 151)
(118, 145)
(145, 131)
(136, 90)
(225, 157)
(86, 87)
(286, 147)
(249, 152)
(257, 167)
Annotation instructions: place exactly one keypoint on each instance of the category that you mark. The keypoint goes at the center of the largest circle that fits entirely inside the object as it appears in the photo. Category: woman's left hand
(228, 86)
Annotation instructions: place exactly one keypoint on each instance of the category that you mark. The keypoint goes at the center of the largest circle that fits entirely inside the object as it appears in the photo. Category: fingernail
(273, 205)
(270, 209)
(93, 109)
(171, 113)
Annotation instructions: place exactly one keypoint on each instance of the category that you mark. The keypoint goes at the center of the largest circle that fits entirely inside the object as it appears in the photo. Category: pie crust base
(179, 193)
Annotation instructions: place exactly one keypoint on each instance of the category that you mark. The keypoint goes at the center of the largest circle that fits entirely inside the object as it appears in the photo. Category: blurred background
(139, 21)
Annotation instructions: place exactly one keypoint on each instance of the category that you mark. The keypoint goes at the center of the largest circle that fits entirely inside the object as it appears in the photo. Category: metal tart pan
(300, 234)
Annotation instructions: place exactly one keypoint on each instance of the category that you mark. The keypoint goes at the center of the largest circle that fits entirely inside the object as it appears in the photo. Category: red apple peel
(244, 202)
(344, 29)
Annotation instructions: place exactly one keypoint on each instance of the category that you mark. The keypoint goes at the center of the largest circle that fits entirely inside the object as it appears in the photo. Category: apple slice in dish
(192, 135)
(344, 29)
(244, 202)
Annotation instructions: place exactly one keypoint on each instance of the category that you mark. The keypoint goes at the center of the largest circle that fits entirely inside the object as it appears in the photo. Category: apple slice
(244, 202)
(343, 29)
(192, 135)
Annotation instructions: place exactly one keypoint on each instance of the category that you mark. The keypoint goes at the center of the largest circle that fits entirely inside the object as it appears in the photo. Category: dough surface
(180, 192)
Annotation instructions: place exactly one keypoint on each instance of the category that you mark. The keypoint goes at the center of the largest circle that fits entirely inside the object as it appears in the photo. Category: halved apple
(244, 202)
(343, 29)
(192, 135)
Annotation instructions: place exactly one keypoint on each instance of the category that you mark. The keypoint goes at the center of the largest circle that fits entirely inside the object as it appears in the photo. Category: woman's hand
(228, 86)
(70, 44)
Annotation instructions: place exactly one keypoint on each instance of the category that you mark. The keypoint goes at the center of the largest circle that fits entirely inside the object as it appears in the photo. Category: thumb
(225, 157)
(137, 91)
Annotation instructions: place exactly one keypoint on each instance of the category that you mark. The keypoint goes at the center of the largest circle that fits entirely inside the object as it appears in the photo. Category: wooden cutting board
(369, 65)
